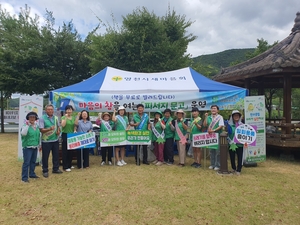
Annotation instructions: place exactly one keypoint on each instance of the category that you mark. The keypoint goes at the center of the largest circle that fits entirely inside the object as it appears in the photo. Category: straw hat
(106, 113)
(236, 112)
(179, 111)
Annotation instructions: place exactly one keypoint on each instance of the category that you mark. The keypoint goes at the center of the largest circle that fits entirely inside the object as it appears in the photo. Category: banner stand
(114, 152)
(138, 155)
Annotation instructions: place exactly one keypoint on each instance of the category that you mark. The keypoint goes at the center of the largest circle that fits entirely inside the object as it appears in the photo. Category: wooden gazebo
(278, 67)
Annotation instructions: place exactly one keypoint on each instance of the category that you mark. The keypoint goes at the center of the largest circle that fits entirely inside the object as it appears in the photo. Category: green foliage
(222, 59)
(34, 58)
(144, 43)
(262, 46)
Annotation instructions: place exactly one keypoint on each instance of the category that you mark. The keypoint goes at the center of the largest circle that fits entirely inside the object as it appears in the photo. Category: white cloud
(219, 24)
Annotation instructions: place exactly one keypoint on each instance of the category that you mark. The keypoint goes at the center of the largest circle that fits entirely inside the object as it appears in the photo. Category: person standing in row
(214, 124)
(121, 123)
(235, 148)
(49, 127)
(158, 137)
(180, 126)
(84, 126)
(196, 125)
(68, 123)
(169, 137)
(31, 141)
(141, 122)
(106, 125)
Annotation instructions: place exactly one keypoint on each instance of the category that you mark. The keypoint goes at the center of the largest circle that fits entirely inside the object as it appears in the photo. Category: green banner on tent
(129, 137)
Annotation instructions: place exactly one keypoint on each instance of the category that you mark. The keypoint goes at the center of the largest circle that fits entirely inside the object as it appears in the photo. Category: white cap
(121, 107)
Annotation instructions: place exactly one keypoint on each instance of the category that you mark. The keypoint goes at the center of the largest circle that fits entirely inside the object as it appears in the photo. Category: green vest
(159, 129)
(169, 133)
(194, 128)
(50, 135)
(231, 136)
(119, 125)
(209, 121)
(32, 138)
(138, 119)
(177, 138)
(103, 128)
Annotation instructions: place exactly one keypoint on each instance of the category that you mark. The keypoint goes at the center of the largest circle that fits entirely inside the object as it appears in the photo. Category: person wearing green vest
(49, 127)
(169, 136)
(31, 141)
(158, 138)
(214, 124)
(106, 126)
(235, 148)
(68, 124)
(195, 127)
(141, 122)
(121, 123)
(180, 126)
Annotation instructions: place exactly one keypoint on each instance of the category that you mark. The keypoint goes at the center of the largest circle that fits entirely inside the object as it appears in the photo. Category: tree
(144, 43)
(36, 59)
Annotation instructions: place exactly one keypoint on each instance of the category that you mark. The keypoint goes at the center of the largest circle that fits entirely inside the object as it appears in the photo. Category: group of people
(165, 130)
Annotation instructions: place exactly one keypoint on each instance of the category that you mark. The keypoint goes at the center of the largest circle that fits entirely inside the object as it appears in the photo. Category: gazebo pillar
(287, 100)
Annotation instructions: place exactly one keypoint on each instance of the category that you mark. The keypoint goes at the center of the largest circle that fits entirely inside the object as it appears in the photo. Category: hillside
(223, 59)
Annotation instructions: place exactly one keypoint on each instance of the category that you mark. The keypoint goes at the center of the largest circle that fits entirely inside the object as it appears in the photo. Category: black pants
(66, 154)
(145, 152)
(85, 156)
(239, 152)
(46, 148)
(168, 150)
(106, 151)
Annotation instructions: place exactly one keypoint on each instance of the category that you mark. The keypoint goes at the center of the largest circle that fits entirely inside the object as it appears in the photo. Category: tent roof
(111, 80)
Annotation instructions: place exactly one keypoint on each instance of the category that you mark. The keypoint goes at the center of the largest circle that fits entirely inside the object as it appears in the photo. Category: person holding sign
(49, 127)
(68, 123)
(180, 126)
(106, 126)
(141, 122)
(235, 148)
(158, 137)
(214, 124)
(121, 123)
(31, 141)
(169, 137)
(84, 126)
(195, 127)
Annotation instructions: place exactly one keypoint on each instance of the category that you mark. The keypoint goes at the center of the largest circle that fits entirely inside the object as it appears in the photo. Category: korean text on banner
(205, 139)
(81, 140)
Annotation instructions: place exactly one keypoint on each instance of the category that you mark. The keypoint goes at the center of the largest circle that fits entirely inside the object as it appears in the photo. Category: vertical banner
(27, 104)
(255, 116)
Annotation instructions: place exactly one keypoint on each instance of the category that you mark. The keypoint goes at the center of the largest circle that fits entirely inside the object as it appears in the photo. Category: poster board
(255, 115)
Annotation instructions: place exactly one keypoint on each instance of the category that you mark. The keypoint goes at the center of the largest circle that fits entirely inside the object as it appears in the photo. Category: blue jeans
(29, 156)
(214, 157)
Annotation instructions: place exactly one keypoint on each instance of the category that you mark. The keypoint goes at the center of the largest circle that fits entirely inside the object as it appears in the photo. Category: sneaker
(35, 176)
(109, 163)
(25, 181)
(57, 171)
(123, 162)
(198, 165)
(155, 161)
(68, 170)
(72, 167)
(170, 163)
(103, 163)
(194, 164)
(119, 163)
(159, 163)
(46, 175)
(237, 173)
(216, 168)
(211, 167)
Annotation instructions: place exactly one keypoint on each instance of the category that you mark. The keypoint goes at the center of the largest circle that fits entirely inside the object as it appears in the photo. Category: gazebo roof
(282, 58)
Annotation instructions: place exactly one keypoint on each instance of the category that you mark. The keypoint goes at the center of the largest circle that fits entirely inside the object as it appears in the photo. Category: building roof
(285, 56)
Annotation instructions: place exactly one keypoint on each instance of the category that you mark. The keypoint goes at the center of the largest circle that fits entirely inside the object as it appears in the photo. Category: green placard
(130, 137)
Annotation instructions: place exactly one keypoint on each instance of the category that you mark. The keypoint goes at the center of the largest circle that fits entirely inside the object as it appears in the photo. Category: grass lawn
(267, 194)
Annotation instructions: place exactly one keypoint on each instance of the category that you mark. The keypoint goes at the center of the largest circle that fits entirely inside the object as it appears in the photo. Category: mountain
(223, 59)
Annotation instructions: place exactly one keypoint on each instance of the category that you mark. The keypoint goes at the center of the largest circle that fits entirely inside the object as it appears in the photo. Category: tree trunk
(2, 112)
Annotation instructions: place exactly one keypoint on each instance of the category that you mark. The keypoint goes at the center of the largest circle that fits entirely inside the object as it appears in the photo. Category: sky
(218, 24)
